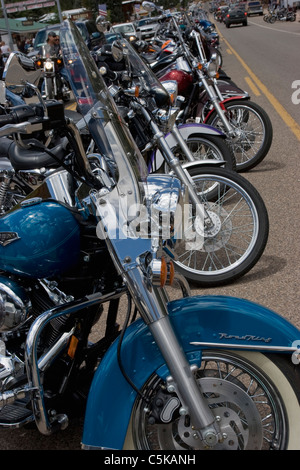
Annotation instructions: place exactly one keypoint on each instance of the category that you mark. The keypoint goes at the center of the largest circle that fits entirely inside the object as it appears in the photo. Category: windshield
(106, 127)
(124, 28)
(41, 36)
(140, 70)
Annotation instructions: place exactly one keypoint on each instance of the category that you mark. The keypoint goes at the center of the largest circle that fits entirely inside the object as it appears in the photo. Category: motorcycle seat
(29, 158)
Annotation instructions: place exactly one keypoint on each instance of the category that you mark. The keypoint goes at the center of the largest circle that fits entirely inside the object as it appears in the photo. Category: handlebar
(34, 116)
(21, 128)
(17, 114)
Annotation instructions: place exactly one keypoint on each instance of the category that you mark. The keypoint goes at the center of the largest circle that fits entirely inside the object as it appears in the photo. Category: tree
(115, 11)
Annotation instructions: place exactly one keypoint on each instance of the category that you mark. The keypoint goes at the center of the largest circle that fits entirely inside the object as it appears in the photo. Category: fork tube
(180, 140)
(174, 163)
(183, 378)
(215, 101)
(152, 307)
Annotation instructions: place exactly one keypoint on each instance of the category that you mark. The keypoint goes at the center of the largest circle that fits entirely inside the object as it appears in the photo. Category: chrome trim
(59, 185)
(45, 361)
(183, 284)
(247, 346)
(43, 423)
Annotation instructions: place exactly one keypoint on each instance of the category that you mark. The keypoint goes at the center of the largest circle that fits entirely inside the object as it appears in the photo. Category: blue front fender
(217, 319)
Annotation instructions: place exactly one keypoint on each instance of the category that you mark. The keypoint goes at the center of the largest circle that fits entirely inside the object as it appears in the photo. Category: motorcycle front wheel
(253, 132)
(254, 397)
(233, 238)
(207, 148)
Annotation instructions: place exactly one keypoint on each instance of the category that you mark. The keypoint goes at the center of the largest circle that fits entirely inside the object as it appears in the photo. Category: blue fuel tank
(41, 239)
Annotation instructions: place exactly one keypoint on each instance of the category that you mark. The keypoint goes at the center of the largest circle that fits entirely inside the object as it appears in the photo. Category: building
(20, 29)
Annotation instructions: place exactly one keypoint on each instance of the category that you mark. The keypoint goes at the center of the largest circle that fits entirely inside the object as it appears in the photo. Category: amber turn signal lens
(163, 272)
(72, 347)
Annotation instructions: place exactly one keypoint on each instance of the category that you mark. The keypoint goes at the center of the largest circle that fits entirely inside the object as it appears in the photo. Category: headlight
(172, 88)
(167, 198)
(216, 59)
(212, 69)
(49, 66)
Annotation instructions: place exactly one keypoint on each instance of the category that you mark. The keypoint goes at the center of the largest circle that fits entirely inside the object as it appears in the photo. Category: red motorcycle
(217, 101)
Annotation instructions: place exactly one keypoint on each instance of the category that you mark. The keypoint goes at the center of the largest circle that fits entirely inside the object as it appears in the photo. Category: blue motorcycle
(193, 373)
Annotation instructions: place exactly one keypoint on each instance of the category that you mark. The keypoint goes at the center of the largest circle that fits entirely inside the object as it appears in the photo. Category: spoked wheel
(207, 148)
(233, 237)
(254, 402)
(254, 132)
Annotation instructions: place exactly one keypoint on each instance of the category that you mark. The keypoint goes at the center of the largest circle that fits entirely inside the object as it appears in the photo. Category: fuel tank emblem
(8, 237)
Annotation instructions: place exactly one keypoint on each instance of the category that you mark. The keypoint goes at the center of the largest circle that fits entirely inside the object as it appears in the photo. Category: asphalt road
(261, 59)
(271, 53)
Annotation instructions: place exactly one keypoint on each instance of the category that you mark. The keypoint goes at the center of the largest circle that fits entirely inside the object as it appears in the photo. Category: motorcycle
(190, 141)
(54, 85)
(187, 151)
(224, 106)
(193, 373)
(282, 14)
(193, 154)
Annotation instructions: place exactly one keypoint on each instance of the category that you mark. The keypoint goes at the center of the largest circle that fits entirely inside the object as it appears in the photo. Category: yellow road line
(254, 88)
(72, 107)
(285, 116)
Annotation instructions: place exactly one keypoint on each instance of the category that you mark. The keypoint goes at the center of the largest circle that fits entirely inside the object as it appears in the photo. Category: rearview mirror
(149, 6)
(18, 71)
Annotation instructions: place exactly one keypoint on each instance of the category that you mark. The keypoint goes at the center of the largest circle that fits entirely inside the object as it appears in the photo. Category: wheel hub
(217, 233)
(236, 414)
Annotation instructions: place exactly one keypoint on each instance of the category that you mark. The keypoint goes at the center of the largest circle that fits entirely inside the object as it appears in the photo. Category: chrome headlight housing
(212, 68)
(166, 201)
(172, 88)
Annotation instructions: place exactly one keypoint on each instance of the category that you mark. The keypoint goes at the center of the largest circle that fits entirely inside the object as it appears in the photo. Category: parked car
(235, 16)
(127, 30)
(93, 38)
(254, 8)
(148, 27)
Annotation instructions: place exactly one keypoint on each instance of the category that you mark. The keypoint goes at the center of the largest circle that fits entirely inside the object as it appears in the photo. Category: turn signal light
(161, 273)
(72, 347)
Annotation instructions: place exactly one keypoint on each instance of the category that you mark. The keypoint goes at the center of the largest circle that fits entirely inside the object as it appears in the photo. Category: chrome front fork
(152, 307)
(215, 99)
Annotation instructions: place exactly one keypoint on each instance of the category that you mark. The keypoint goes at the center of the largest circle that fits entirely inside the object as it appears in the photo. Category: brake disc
(237, 416)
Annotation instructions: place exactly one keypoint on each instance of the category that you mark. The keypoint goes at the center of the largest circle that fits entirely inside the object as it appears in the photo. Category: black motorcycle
(54, 84)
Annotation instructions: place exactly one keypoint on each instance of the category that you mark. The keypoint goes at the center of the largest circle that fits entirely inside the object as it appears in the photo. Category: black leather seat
(30, 159)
